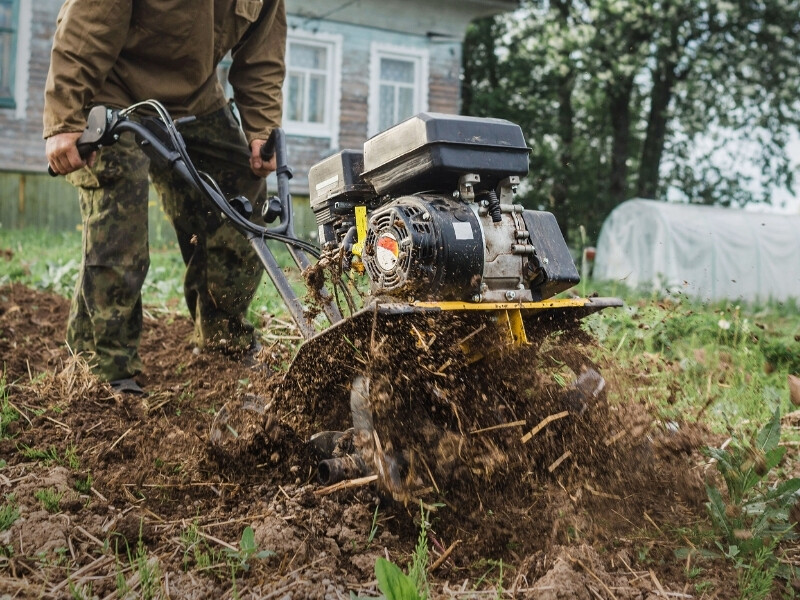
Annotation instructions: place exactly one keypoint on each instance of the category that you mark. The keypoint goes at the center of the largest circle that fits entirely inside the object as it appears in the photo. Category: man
(115, 53)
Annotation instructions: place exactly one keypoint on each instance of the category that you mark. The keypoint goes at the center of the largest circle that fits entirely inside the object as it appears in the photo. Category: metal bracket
(466, 186)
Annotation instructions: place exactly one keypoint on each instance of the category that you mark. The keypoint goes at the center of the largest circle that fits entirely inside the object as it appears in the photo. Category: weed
(49, 499)
(46, 457)
(83, 592)
(248, 550)
(196, 549)
(418, 568)
(8, 414)
(84, 486)
(373, 528)
(755, 578)
(755, 518)
(701, 587)
(147, 572)
(395, 584)
(9, 512)
(71, 457)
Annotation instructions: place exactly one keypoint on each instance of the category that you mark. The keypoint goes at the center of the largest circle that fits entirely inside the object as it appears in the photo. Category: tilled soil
(148, 502)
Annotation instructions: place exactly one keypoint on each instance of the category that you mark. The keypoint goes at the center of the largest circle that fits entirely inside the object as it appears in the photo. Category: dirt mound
(144, 471)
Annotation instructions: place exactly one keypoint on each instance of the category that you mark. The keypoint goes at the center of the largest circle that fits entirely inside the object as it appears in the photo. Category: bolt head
(426, 216)
(510, 295)
(477, 298)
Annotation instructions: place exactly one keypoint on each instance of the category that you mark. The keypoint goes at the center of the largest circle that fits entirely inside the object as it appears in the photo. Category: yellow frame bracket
(512, 318)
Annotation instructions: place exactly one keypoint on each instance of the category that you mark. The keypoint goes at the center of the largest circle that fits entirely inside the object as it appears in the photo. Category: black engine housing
(424, 247)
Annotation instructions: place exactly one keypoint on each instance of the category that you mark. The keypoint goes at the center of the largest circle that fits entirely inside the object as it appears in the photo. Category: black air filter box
(430, 151)
(337, 176)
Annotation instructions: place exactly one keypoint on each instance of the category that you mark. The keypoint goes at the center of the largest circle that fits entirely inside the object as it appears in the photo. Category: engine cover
(424, 247)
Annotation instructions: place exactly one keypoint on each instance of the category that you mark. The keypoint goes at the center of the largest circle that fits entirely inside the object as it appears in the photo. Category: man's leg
(222, 270)
(105, 320)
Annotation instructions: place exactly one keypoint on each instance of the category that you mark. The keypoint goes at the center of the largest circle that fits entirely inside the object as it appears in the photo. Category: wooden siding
(444, 69)
(51, 203)
(22, 147)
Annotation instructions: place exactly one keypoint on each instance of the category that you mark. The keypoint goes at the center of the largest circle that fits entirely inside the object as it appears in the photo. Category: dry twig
(542, 424)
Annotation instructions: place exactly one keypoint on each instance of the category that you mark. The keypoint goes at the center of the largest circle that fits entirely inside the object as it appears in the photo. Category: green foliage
(698, 360)
(394, 584)
(197, 551)
(617, 98)
(418, 568)
(50, 499)
(49, 261)
(52, 456)
(84, 486)
(755, 578)
(8, 414)
(782, 354)
(148, 583)
(239, 560)
(373, 530)
(754, 518)
(9, 512)
(83, 592)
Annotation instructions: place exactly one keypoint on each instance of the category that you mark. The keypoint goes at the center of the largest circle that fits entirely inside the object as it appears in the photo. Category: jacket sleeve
(257, 71)
(89, 36)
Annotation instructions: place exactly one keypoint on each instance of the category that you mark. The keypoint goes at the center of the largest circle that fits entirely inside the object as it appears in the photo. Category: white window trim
(334, 99)
(378, 51)
(23, 56)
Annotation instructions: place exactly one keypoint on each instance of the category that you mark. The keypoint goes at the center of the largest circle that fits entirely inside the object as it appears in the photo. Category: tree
(634, 97)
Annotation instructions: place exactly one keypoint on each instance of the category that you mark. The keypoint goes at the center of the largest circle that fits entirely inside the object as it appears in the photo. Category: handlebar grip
(268, 149)
(84, 150)
(97, 125)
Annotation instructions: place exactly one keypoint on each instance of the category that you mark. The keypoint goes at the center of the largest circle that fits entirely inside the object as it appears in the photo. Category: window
(311, 90)
(398, 85)
(9, 14)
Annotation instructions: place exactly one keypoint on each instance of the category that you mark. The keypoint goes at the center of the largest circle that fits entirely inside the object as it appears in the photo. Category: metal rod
(281, 283)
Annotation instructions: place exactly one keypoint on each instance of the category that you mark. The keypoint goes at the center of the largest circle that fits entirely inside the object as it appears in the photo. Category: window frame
(420, 57)
(329, 128)
(10, 101)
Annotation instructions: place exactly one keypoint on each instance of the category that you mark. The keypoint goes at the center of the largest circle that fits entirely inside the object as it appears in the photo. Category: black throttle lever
(268, 149)
(99, 124)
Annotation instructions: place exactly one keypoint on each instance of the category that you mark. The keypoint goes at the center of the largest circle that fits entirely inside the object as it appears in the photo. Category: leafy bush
(782, 354)
(755, 518)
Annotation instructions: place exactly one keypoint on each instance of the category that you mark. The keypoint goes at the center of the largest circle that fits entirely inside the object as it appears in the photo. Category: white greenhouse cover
(708, 252)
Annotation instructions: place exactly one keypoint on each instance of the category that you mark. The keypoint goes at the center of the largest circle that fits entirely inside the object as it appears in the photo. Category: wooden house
(354, 67)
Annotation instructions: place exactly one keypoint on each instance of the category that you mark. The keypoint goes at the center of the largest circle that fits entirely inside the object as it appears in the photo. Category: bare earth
(603, 523)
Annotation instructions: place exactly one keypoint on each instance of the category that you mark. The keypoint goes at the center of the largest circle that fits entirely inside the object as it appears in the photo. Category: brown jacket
(117, 52)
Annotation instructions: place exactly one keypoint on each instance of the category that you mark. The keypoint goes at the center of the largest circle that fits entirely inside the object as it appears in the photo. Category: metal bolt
(477, 298)
(510, 295)
(99, 130)
(426, 216)
(456, 194)
(546, 260)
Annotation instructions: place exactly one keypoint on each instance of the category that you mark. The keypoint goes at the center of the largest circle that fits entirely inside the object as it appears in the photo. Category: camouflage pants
(222, 271)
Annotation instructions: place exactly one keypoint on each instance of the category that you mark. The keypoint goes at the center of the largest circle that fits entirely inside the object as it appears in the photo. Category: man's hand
(62, 153)
(259, 167)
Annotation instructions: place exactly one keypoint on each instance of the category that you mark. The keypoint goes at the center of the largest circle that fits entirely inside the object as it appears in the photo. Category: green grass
(8, 413)
(50, 499)
(724, 363)
(9, 512)
(50, 261)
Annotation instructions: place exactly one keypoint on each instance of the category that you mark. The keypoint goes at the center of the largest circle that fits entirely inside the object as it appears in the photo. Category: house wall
(443, 93)
(434, 29)
(22, 147)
